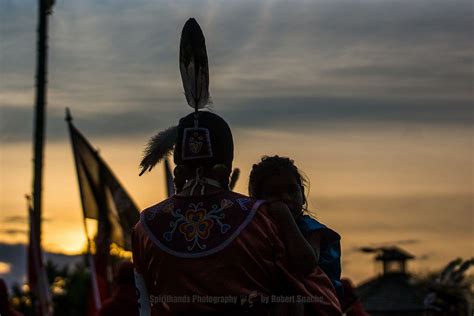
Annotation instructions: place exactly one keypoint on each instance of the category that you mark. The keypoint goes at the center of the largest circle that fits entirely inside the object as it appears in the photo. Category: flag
(169, 179)
(103, 197)
(37, 278)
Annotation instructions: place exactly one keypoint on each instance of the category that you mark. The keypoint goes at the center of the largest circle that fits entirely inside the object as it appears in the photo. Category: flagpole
(40, 109)
(90, 259)
(95, 284)
(44, 8)
(42, 301)
(31, 261)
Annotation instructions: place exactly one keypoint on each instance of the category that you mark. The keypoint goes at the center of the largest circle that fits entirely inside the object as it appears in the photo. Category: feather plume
(193, 65)
(458, 275)
(233, 178)
(158, 147)
(448, 270)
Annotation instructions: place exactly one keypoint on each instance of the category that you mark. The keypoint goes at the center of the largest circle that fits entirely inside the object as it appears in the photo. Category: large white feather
(193, 65)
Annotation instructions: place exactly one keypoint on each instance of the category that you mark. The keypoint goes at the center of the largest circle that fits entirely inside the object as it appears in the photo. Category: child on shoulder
(278, 181)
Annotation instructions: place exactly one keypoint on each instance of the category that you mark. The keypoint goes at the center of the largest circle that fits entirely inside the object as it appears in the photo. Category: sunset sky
(372, 99)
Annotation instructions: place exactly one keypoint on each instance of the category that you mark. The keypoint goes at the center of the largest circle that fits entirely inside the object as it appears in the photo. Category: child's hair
(269, 166)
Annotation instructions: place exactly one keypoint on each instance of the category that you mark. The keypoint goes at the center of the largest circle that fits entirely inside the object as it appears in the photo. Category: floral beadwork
(243, 202)
(168, 208)
(196, 222)
(150, 215)
(201, 228)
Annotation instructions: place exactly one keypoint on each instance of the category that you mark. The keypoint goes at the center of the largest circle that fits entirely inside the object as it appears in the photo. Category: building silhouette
(394, 292)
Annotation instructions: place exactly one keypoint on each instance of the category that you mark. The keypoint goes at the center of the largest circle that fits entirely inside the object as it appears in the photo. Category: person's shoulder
(149, 214)
(237, 195)
(260, 208)
(309, 225)
(157, 205)
(245, 202)
(152, 210)
(331, 235)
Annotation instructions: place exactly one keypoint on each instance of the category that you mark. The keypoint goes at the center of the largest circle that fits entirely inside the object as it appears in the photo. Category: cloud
(19, 219)
(115, 63)
(14, 231)
(262, 113)
(106, 124)
(15, 219)
(307, 112)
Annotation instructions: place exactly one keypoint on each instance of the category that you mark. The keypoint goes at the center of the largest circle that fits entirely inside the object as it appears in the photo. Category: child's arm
(301, 253)
(314, 239)
(327, 243)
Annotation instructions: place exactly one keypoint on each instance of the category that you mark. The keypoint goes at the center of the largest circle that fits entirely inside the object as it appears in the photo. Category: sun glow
(4, 268)
(360, 186)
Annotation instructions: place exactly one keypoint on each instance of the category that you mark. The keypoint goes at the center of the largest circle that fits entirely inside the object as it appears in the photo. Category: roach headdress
(202, 138)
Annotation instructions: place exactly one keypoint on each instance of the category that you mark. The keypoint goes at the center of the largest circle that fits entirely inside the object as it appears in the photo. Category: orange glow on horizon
(368, 186)
(4, 268)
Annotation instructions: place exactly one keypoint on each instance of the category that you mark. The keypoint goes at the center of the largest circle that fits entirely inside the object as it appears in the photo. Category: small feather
(448, 270)
(233, 178)
(193, 65)
(158, 147)
(458, 275)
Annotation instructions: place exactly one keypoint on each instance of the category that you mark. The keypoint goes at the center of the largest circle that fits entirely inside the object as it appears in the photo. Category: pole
(90, 259)
(40, 109)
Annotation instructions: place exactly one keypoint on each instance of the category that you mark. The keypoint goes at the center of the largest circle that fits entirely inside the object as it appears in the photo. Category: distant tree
(450, 290)
(69, 288)
(21, 300)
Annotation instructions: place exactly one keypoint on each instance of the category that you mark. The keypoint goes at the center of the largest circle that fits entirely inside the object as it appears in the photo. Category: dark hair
(271, 165)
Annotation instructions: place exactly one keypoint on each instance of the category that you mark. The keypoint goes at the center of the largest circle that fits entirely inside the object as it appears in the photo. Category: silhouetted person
(309, 243)
(207, 249)
(277, 179)
(124, 299)
(5, 307)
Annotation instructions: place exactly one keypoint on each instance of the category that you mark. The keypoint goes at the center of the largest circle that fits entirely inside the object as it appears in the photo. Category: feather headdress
(194, 70)
(193, 65)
